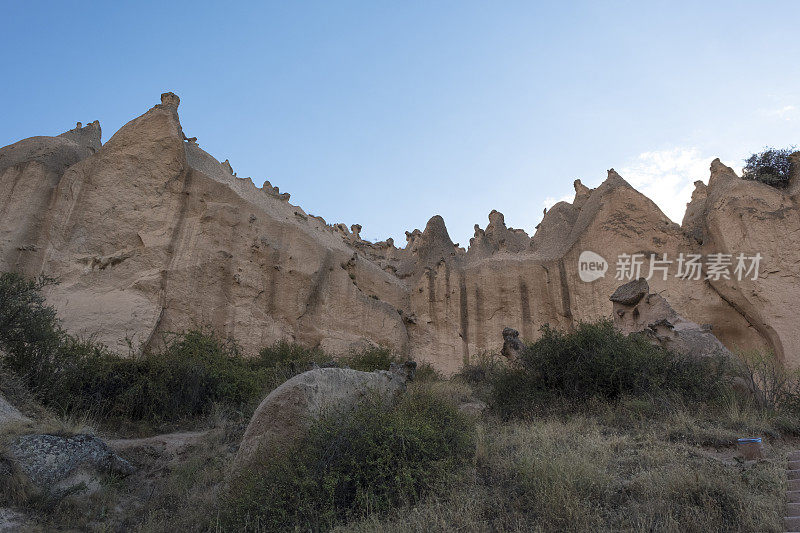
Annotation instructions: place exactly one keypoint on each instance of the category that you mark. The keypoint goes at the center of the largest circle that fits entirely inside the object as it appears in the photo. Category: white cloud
(788, 112)
(667, 177)
(551, 201)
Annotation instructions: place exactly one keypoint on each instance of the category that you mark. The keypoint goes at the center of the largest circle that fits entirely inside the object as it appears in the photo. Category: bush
(772, 167)
(193, 371)
(30, 333)
(369, 461)
(370, 359)
(598, 361)
(284, 354)
(775, 386)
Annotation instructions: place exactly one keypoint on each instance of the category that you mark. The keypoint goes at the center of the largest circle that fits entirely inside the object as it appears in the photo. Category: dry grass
(637, 464)
(578, 475)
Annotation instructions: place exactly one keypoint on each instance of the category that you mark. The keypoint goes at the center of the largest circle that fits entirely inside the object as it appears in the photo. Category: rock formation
(148, 233)
(636, 310)
(512, 346)
(285, 415)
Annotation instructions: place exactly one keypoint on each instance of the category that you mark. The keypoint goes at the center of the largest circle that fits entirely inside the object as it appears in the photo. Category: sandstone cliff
(148, 234)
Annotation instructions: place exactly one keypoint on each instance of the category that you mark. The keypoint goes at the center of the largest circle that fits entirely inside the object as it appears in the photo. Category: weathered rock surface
(630, 293)
(10, 415)
(285, 415)
(149, 233)
(512, 346)
(56, 464)
(637, 310)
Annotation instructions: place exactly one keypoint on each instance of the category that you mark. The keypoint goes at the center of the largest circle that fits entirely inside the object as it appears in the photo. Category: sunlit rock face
(149, 234)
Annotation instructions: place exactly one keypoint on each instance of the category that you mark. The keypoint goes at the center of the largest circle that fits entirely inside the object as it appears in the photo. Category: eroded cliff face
(150, 234)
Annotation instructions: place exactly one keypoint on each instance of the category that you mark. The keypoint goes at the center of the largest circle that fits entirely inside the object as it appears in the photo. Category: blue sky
(386, 113)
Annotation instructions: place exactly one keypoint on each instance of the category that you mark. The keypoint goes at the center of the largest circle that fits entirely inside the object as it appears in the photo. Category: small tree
(772, 166)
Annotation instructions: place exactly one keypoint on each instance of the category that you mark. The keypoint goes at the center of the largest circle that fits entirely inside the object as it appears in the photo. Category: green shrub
(30, 333)
(370, 359)
(369, 461)
(426, 373)
(772, 166)
(284, 354)
(598, 361)
(193, 372)
(480, 369)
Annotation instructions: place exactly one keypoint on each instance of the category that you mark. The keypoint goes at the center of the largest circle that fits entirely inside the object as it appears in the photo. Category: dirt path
(168, 443)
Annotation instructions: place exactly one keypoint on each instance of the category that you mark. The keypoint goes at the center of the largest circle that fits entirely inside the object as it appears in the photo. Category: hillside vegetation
(589, 431)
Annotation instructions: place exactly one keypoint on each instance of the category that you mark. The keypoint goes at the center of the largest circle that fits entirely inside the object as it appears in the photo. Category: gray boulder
(56, 464)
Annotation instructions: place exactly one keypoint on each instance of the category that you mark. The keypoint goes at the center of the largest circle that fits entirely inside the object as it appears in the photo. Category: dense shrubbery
(772, 166)
(365, 462)
(598, 361)
(193, 371)
(774, 385)
(29, 329)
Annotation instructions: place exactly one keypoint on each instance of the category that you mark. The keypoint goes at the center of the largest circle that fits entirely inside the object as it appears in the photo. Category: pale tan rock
(636, 310)
(150, 234)
(743, 216)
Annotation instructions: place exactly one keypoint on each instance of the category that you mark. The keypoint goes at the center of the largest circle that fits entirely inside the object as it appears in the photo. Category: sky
(387, 113)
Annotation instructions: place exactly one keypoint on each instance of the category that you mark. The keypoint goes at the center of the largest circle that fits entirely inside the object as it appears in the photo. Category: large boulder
(284, 417)
(636, 310)
(58, 465)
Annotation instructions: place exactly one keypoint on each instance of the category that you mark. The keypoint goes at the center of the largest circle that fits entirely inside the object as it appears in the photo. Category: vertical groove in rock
(525, 309)
(565, 304)
(464, 316)
(479, 320)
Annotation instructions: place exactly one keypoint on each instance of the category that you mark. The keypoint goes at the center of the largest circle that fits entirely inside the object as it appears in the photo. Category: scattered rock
(56, 464)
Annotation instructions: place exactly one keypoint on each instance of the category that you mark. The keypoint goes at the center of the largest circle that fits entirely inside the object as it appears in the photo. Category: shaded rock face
(149, 233)
(285, 415)
(636, 310)
(56, 464)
